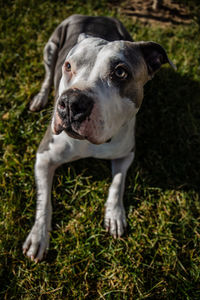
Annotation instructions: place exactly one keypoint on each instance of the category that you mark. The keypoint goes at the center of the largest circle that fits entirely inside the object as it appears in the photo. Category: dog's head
(102, 86)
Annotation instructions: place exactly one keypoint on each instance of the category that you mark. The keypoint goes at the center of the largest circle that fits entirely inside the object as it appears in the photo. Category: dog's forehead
(93, 50)
(86, 50)
(113, 51)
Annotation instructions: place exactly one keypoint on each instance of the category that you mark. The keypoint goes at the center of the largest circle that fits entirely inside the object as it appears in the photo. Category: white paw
(37, 242)
(115, 220)
(39, 101)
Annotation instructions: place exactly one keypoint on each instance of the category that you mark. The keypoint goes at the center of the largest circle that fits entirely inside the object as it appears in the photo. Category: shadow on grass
(167, 135)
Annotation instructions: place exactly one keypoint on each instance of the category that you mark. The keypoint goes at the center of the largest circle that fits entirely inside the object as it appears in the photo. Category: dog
(98, 74)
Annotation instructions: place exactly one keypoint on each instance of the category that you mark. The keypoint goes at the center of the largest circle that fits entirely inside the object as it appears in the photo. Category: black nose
(75, 106)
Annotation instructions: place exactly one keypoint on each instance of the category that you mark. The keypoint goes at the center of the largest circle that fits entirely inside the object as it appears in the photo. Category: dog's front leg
(115, 217)
(37, 241)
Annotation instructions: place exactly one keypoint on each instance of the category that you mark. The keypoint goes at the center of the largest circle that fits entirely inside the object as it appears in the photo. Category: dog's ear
(155, 56)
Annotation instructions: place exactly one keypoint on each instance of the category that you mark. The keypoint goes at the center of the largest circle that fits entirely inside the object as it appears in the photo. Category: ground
(169, 12)
(158, 258)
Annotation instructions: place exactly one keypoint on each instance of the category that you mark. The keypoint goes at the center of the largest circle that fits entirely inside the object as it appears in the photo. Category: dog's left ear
(155, 56)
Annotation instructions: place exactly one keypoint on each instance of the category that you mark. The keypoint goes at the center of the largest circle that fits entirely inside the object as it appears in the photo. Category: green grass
(159, 258)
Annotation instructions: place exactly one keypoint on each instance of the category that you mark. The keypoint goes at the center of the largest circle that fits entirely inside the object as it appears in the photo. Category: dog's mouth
(87, 129)
(73, 109)
(74, 134)
(59, 125)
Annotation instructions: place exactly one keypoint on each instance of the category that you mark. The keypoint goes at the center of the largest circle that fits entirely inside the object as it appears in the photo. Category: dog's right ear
(83, 36)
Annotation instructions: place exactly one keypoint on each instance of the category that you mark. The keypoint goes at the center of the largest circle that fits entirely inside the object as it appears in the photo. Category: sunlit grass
(158, 258)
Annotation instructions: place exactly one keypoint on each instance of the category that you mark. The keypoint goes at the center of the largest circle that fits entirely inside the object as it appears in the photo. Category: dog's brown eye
(121, 73)
(67, 66)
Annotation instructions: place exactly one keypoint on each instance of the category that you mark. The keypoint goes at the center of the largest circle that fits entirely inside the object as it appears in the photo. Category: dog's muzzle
(73, 108)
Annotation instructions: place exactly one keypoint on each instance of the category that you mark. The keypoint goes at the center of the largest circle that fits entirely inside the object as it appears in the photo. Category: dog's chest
(119, 146)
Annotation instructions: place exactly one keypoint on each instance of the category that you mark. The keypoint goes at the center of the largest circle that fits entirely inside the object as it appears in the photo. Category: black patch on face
(127, 86)
(132, 86)
(115, 69)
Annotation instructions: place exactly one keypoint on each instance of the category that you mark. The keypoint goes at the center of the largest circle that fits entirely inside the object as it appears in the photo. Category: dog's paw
(39, 101)
(37, 243)
(115, 220)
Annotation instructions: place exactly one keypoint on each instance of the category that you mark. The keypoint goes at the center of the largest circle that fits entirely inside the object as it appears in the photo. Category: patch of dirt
(168, 12)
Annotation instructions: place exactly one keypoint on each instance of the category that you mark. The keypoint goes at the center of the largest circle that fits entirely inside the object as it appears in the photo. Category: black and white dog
(99, 74)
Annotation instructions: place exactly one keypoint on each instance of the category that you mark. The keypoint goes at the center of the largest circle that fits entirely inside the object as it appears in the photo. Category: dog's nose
(81, 106)
(75, 105)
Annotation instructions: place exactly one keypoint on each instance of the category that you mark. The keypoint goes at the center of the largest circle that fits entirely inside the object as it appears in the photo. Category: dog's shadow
(167, 143)
(167, 136)
(167, 140)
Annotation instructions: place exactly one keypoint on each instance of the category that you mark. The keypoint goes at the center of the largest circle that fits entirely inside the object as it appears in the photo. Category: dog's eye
(67, 66)
(121, 73)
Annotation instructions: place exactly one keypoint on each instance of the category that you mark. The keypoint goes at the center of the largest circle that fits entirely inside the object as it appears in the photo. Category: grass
(159, 258)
